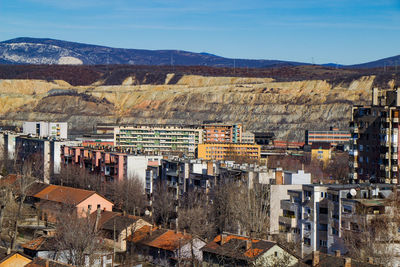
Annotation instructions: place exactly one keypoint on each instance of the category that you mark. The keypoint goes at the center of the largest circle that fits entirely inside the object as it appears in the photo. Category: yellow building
(321, 151)
(228, 151)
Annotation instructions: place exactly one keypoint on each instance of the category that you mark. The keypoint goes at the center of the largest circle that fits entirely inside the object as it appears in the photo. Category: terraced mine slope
(261, 104)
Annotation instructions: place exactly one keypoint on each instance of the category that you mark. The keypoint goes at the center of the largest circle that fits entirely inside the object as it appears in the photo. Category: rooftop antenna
(234, 65)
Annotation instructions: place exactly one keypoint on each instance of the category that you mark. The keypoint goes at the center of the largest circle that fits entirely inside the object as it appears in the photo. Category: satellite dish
(353, 192)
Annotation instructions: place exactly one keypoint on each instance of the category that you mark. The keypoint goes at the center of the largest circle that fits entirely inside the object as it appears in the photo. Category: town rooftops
(64, 194)
(326, 260)
(109, 219)
(40, 262)
(40, 244)
(159, 238)
(238, 247)
(320, 145)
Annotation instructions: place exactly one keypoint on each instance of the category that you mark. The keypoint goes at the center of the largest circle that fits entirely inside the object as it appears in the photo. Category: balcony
(287, 205)
(292, 221)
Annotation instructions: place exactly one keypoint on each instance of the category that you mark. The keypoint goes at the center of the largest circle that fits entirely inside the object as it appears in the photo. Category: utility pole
(114, 243)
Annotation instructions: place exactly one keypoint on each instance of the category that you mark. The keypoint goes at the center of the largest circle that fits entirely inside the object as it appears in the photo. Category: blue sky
(319, 31)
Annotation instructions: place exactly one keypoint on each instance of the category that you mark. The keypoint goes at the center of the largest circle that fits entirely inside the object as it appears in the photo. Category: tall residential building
(222, 133)
(375, 139)
(46, 129)
(159, 138)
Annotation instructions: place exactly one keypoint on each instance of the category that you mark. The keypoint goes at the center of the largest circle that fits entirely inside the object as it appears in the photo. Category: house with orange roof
(54, 198)
(122, 225)
(165, 247)
(235, 250)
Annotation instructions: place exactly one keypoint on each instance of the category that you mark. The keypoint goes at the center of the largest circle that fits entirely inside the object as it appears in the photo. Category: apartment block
(248, 138)
(46, 129)
(159, 138)
(334, 137)
(111, 164)
(317, 216)
(228, 151)
(45, 152)
(375, 142)
(222, 133)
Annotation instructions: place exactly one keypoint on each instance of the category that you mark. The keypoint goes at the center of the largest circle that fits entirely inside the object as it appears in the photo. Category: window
(323, 210)
(322, 243)
(276, 253)
(307, 241)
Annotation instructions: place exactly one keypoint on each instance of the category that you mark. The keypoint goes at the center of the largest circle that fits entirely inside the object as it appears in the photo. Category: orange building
(228, 151)
(222, 133)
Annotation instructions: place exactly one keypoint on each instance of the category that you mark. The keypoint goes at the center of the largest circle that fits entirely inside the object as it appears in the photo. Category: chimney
(337, 253)
(315, 258)
(97, 218)
(347, 262)
(223, 238)
(8, 251)
(248, 244)
(370, 260)
(375, 93)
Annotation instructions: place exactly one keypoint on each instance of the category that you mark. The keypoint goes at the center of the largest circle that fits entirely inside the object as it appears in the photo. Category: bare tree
(243, 209)
(76, 236)
(25, 179)
(128, 195)
(195, 215)
(374, 235)
(338, 167)
(164, 204)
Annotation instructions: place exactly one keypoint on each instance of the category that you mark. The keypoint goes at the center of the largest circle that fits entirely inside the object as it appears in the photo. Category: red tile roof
(64, 194)
(159, 238)
(235, 247)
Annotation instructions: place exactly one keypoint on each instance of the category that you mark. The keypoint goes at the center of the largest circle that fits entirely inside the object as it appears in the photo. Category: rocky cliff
(261, 104)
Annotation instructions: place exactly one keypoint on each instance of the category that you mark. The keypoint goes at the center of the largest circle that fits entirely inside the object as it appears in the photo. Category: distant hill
(26, 50)
(381, 63)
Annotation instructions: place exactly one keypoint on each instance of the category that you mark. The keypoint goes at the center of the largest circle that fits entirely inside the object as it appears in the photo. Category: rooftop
(235, 246)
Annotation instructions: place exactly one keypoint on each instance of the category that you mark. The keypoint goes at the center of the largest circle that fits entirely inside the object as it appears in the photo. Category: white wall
(137, 165)
(278, 193)
(297, 178)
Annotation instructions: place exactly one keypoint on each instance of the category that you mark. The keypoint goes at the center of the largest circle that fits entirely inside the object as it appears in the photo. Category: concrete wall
(297, 178)
(278, 193)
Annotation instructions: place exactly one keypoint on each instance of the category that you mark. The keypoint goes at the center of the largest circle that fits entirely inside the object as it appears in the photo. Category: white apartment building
(46, 129)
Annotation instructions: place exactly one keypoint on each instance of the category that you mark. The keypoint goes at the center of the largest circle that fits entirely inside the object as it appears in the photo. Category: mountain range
(25, 50)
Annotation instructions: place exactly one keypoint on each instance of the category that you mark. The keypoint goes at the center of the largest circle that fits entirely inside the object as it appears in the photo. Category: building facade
(228, 151)
(159, 138)
(222, 133)
(46, 129)
(334, 136)
(375, 142)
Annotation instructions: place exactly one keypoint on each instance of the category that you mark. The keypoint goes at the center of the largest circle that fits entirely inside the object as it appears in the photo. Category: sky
(313, 31)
